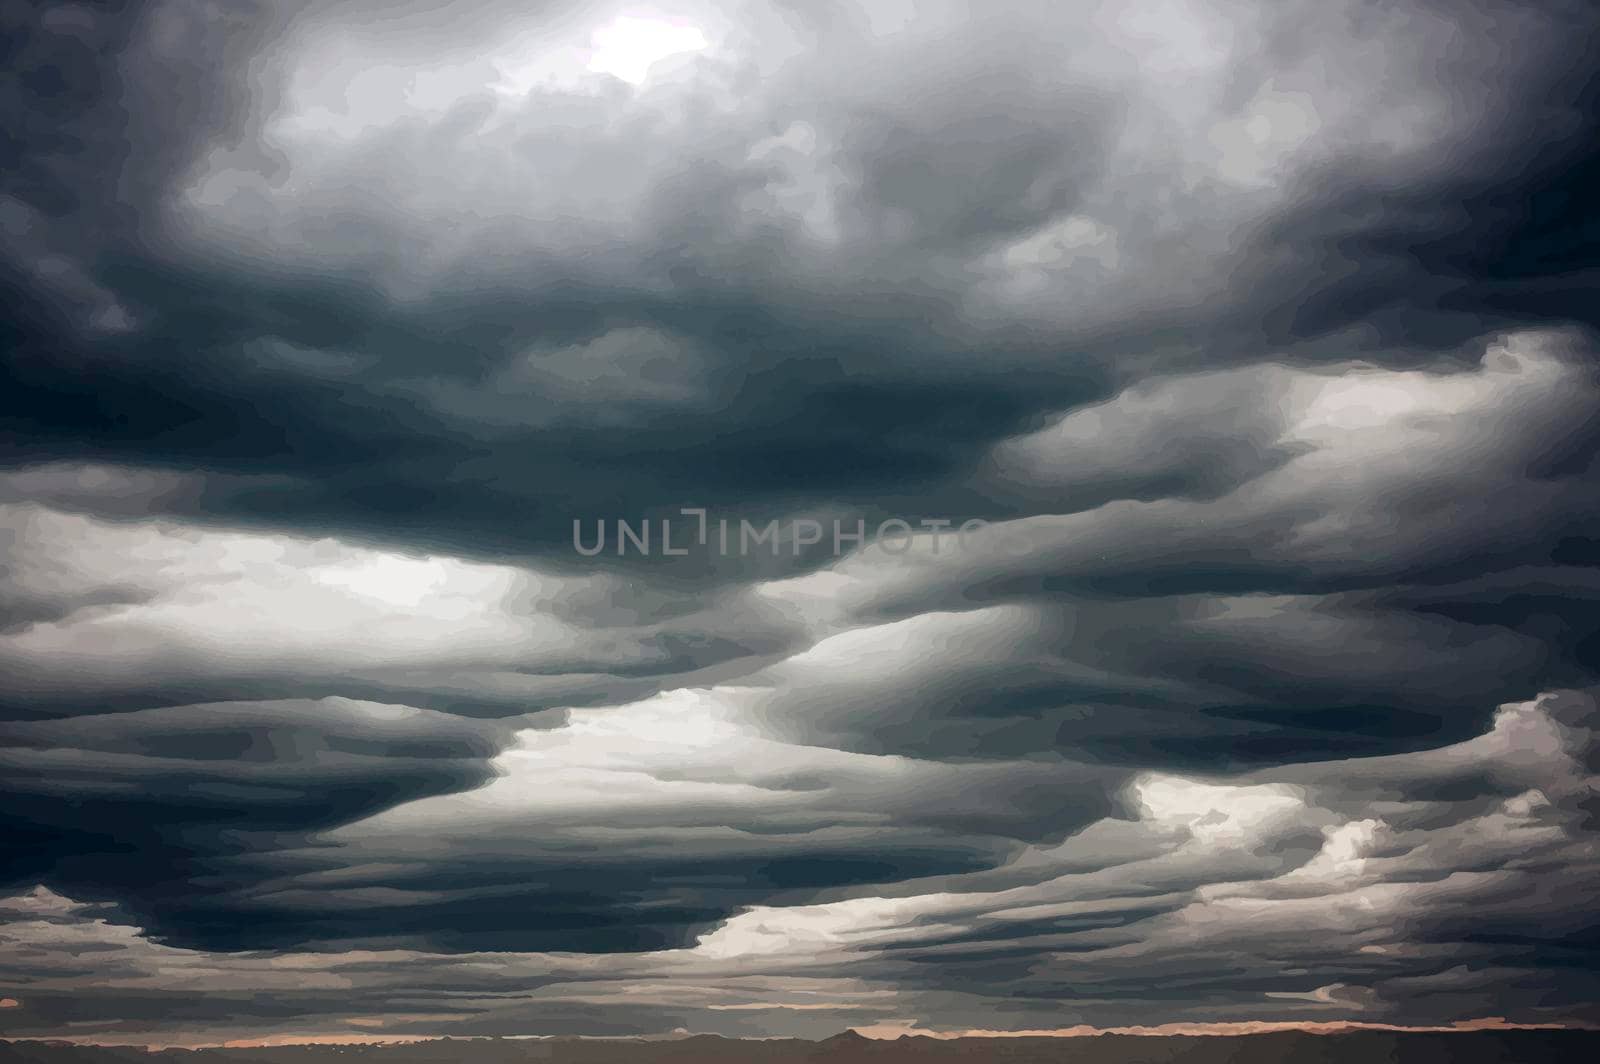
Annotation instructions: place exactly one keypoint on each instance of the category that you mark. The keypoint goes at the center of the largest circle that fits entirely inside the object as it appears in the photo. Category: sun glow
(628, 47)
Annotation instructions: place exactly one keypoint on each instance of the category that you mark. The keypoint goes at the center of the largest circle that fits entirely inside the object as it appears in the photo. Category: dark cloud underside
(1264, 331)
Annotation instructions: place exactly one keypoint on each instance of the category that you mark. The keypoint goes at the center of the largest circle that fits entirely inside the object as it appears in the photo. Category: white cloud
(137, 595)
(629, 47)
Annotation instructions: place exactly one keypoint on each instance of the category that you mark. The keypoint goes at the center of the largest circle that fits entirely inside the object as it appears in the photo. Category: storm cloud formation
(1261, 334)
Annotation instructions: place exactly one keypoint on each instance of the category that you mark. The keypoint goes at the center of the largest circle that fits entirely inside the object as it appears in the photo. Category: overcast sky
(1260, 336)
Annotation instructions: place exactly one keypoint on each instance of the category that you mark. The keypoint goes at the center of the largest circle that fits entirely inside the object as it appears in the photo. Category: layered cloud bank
(1262, 333)
(1412, 888)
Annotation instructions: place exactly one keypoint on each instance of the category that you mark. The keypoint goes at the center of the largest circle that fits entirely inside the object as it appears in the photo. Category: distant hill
(1356, 1047)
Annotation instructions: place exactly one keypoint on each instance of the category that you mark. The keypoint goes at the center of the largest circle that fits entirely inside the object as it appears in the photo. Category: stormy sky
(1255, 342)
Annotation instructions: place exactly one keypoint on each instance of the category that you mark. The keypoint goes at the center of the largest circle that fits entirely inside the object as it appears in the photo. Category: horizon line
(875, 1032)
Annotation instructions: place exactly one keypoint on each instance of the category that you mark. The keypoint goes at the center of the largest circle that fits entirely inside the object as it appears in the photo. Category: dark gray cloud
(1262, 333)
(1408, 888)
